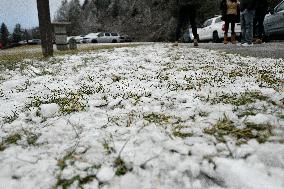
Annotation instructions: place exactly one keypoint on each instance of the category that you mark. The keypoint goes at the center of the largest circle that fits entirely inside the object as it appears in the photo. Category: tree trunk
(45, 27)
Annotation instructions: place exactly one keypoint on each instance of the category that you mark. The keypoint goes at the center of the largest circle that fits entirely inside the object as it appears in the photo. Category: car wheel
(114, 41)
(94, 41)
(216, 38)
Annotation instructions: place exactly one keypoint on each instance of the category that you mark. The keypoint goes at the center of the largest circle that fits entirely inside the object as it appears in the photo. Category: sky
(23, 12)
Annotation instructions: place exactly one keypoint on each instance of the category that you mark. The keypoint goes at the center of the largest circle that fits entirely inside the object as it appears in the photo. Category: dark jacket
(193, 3)
(178, 5)
(223, 8)
(248, 4)
(261, 7)
(184, 2)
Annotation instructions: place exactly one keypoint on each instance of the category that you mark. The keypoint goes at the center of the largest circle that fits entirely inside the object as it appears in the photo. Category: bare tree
(45, 27)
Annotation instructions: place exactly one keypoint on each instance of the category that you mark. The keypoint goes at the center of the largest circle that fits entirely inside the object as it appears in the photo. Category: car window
(114, 34)
(280, 7)
(107, 34)
(205, 24)
(209, 22)
(218, 20)
(101, 35)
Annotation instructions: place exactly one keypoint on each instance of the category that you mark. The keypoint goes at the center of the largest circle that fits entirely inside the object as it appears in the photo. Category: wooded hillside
(145, 20)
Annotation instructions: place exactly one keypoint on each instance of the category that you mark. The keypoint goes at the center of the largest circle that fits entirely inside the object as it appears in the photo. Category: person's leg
(192, 19)
(233, 24)
(185, 23)
(227, 26)
(179, 26)
(182, 22)
(255, 27)
(249, 26)
(233, 34)
(227, 23)
(243, 27)
(261, 27)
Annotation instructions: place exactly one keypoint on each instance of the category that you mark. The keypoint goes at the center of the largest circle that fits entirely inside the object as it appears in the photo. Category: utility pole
(45, 27)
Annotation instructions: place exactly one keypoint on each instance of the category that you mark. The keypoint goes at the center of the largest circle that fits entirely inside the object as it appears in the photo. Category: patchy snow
(262, 119)
(49, 110)
(105, 174)
(151, 116)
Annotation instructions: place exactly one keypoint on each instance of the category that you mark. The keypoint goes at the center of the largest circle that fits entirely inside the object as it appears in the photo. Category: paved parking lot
(266, 50)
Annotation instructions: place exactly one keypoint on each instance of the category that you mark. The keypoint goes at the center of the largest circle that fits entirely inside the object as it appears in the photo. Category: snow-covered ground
(146, 117)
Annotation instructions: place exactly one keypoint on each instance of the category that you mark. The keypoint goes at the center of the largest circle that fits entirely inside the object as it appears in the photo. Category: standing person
(186, 12)
(231, 15)
(261, 10)
(247, 16)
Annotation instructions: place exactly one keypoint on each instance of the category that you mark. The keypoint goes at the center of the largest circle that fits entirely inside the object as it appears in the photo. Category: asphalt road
(266, 50)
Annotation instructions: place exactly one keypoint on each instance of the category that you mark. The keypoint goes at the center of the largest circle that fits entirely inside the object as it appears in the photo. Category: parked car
(34, 42)
(125, 38)
(79, 39)
(91, 38)
(24, 42)
(108, 37)
(213, 29)
(69, 37)
(274, 22)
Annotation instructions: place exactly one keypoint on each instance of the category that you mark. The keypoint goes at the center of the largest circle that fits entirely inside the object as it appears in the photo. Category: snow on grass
(150, 116)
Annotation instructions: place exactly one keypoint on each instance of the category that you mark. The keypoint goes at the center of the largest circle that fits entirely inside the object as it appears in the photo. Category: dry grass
(34, 52)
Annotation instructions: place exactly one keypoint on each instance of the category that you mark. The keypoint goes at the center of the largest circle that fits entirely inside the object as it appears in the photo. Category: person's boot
(258, 41)
(175, 44)
(233, 38)
(195, 41)
(225, 39)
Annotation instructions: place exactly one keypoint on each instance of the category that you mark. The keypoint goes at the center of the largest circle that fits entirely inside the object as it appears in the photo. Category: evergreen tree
(85, 4)
(115, 9)
(89, 18)
(35, 33)
(27, 35)
(62, 13)
(75, 17)
(17, 35)
(4, 35)
(71, 12)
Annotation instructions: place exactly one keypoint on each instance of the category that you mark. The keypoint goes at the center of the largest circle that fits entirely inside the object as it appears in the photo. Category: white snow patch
(105, 174)
(49, 110)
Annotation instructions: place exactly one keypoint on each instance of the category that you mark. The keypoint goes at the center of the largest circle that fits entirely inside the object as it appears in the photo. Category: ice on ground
(240, 174)
(105, 174)
(262, 119)
(49, 110)
(145, 117)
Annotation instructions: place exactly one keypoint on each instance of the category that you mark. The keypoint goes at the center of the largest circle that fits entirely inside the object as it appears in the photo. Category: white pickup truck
(214, 28)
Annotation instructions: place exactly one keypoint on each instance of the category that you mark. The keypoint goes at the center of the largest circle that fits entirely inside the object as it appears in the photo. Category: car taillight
(223, 27)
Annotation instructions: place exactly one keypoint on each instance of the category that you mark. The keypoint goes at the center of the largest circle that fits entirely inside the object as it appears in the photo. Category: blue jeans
(247, 17)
